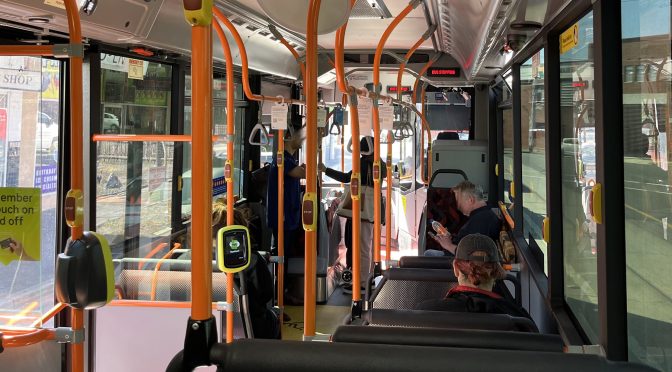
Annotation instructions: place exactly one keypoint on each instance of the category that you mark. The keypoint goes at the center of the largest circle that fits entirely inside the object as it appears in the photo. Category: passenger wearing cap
(477, 267)
(481, 219)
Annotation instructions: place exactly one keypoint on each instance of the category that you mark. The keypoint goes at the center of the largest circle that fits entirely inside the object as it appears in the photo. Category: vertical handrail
(376, 130)
(310, 84)
(228, 169)
(388, 197)
(354, 127)
(408, 55)
(201, 165)
(76, 157)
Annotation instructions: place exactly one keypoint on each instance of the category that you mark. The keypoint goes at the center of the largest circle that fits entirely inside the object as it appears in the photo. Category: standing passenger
(292, 208)
(366, 229)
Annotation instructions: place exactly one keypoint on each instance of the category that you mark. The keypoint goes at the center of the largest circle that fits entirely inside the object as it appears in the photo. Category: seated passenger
(477, 266)
(258, 278)
(481, 219)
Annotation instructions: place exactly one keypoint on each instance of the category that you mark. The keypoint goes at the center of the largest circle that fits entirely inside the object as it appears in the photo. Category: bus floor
(327, 319)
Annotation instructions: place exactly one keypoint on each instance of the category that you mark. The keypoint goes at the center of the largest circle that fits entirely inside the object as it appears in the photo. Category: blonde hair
(219, 209)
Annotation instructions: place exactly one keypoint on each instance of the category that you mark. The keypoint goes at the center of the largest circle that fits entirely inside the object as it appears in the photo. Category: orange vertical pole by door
(310, 198)
(201, 165)
(388, 198)
(77, 156)
(228, 168)
(280, 161)
(376, 130)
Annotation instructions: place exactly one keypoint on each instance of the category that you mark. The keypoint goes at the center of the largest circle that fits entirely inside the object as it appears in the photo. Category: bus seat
(448, 136)
(445, 319)
(478, 339)
(405, 288)
(84, 272)
(243, 355)
(176, 286)
(422, 262)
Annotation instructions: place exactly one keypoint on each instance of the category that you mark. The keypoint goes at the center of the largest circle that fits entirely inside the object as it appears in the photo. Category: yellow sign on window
(136, 69)
(569, 39)
(20, 212)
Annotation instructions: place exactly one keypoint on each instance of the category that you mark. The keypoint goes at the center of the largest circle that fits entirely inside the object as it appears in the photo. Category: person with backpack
(477, 267)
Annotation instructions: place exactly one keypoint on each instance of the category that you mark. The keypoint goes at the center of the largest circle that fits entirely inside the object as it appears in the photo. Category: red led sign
(444, 72)
(393, 88)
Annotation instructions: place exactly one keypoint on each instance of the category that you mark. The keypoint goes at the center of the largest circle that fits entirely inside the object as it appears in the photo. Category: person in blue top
(481, 219)
(292, 208)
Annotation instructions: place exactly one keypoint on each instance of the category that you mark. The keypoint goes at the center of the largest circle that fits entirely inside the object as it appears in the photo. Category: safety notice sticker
(20, 231)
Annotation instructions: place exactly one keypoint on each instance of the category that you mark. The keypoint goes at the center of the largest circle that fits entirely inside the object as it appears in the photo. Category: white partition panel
(139, 339)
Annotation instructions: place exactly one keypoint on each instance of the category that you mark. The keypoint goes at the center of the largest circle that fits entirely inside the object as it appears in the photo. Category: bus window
(507, 130)
(533, 139)
(647, 180)
(29, 134)
(578, 175)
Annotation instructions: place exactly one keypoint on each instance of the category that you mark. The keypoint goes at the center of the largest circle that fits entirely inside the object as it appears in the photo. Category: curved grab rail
(25, 337)
(156, 270)
(263, 135)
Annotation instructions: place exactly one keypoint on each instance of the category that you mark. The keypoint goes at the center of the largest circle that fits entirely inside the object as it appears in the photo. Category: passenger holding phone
(481, 219)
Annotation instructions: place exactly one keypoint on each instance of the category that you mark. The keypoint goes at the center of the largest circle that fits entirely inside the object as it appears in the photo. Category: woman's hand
(321, 167)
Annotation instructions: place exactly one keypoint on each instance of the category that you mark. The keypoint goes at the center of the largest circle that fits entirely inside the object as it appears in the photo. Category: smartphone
(5, 243)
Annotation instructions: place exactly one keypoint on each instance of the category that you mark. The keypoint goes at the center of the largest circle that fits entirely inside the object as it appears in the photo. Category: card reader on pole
(233, 248)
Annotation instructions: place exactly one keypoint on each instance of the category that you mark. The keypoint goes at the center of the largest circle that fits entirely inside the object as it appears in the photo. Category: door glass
(29, 134)
(507, 122)
(578, 173)
(533, 138)
(646, 166)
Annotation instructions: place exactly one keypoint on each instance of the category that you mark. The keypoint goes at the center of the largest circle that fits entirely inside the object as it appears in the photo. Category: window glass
(29, 134)
(647, 179)
(533, 139)
(507, 131)
(578, 175)
(135, 96)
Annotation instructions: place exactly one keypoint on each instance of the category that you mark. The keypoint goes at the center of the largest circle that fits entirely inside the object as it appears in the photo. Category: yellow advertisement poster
(50, 80)
(569, 39)
(20, 212)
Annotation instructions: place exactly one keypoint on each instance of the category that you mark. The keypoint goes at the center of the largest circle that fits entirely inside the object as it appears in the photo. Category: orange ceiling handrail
(27, 50)
(403, 64)
(243, 57)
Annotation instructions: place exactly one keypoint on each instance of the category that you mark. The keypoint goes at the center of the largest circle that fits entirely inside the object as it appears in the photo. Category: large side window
(134, 179)
(647, 88)
(219, 146)
(577, 121)
(29, 134)
(533, 139)
(507, 131)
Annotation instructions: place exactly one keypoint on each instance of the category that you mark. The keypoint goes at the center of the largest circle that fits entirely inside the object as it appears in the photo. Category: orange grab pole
(155, 277)
(403, 64)
(228, 169)
(201, 165)
(77, 156)
(152, 253)
(48, 315)
(27, 50)
(243, 57)
(30, 338)
(388, 196)
(280, 160)
(376, 129)
(310, 88)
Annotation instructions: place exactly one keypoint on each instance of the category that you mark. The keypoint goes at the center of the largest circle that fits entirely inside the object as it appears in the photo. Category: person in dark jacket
(366, 230)
(477, 267)
(481, 219)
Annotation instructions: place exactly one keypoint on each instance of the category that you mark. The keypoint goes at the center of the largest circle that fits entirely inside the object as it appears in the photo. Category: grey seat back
(176, 286)
(479, 339)
(405, 288)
